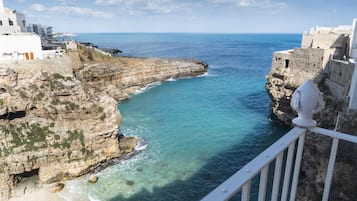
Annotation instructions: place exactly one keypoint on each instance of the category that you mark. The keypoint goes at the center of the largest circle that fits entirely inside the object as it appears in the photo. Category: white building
(20, 46)
(11, 20)
(15, 43)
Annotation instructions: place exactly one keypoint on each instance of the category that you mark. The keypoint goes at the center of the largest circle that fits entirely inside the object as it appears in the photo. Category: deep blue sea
(199, 130)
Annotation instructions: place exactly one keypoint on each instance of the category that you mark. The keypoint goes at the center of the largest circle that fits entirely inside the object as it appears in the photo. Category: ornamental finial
(306, 101)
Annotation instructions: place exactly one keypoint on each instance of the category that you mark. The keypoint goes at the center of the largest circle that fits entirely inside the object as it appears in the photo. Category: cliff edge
(121, 77)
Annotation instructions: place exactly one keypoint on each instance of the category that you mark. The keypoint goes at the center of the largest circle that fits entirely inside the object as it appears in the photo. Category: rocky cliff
(120, 76)
(55, 126)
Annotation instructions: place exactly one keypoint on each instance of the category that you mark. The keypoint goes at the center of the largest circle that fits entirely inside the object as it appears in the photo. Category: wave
(142, 144)
(93, 198)
(147, 87)
(206, 74)
(171, 79)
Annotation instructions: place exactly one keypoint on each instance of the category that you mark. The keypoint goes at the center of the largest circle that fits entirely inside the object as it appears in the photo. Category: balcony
(274, 174)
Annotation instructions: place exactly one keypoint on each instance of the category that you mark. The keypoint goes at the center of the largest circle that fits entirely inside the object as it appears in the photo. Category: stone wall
(297, 63)
(61, 65)
(338, 78)
(338, 43)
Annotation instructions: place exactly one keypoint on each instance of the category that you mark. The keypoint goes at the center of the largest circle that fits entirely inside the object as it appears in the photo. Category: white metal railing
(291, 146)
(241, 181)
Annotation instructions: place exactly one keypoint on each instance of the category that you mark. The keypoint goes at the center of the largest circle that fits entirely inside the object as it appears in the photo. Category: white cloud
(67, 2)
(72, 10)
(267, 4)
(38, 7)
(147, 6)
(111, 2)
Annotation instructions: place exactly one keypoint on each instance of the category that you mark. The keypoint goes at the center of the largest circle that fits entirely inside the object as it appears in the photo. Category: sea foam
(147, 87)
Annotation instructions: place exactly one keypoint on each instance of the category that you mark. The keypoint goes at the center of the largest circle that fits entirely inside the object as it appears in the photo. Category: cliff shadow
(219, 167)
(216, 170)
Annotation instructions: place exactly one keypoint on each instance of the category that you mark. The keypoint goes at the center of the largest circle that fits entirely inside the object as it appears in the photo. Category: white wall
(353, 52)
(21, 21)
(1, 6)
(15, 47)
(5, 17)
(353, 90)
(353, 55)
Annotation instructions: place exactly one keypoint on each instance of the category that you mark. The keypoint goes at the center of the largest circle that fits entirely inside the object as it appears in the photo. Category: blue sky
(223, 16)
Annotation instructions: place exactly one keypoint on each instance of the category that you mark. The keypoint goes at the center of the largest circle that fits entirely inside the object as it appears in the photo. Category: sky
(200, 16)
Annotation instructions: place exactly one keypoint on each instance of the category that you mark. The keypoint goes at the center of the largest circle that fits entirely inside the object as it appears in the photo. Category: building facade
(20, 46)
(15, 43)
(11, 20)
(327, 53)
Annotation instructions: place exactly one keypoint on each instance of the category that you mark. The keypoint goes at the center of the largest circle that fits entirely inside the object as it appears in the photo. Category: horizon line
(183, 32)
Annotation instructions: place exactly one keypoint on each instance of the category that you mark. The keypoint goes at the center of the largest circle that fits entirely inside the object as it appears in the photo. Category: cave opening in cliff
(28, 173)
(13, 115)
(26, 176)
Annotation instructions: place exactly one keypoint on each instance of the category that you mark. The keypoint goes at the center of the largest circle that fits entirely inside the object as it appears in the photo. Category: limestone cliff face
(53, 126)
(121, 76)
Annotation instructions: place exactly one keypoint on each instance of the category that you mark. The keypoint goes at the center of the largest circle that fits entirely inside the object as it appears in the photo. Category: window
(0, 23)
(11, 23)
(23, 23)
(286, 63)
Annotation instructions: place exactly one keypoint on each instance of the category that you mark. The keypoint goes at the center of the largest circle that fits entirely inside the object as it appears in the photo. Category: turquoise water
(200, 130)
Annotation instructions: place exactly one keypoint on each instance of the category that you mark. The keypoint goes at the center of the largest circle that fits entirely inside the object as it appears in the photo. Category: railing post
(297, 167)
(263, 183)
(277, 175)
(287, 175)
(331, 165)
(306, 100)
(246, 191)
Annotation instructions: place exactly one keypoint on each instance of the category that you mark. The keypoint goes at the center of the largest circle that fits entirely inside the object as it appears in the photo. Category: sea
(198, 130)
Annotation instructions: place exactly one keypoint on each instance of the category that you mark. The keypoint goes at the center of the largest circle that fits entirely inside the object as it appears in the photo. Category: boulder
(55, 188)
(127, 144)
(92, 179)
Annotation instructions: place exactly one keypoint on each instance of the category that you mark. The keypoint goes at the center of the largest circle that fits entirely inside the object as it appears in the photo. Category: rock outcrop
(120, 76)
(53, 126)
